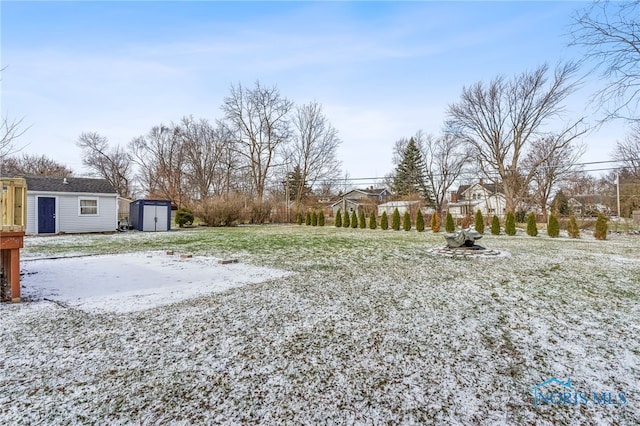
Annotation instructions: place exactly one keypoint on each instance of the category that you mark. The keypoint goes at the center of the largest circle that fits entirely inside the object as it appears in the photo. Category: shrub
(260, 212)
(372, 221)
(435, 222)
(221, 210)
(553, 227)
(345, 221)
(448, 223)
(601, 227)
(532, 227)
(338, 219)
(510, 224)
(307, 220)
(354, 220)
(384, 221)
(299, 218)
(395, 220)
(320, 218)
(362, 222)
(184, 216)
(314, 219)
(419, 221)
(572, 227)
(521, 216)
(479, 222)
(495, 225)
(406, 221)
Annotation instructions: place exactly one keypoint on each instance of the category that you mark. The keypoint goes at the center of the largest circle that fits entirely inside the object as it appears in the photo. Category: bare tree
(110, 163)
(39, 165)
(258, 120)
(10, 130)
(610, 32)
(627, 152)
(312, 153)
(499, 121)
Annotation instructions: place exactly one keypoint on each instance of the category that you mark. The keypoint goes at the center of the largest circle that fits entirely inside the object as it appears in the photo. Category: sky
(381, 70)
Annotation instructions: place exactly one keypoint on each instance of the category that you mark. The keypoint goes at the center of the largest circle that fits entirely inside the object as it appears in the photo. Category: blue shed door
(46, 215)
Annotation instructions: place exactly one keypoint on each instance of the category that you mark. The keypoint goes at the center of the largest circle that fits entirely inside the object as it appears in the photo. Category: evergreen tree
(495, 225)
(372, 221)
(435, 222)
(479, 222)
(384, 221)
(338, 222)
(410, 173)
(449, 226)
(406, 221)
(314, 219)
(307, 220)
(560, 204)
(419, 221)
(362, 221)
(395, 220)
(299, 218)
(510, 224)
(553, 227)
(601, 227)
(321, 218)
(572, 227)
(354, 220)
(532, 226)
(345, 220)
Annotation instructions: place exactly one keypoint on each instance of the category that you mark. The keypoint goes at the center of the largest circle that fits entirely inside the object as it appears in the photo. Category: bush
(435, 222)
(521, 216)
(184, 217)
(395, 220)
(601, 227)
(532, 227)
(553, 227)
(260, 212)
(510, 224)
(406, 221)
(338, 222)
(299, 218)
(361, 220)
(320, 218)
(479, 222)
(345, 220)
(314, 219)
(221, 210)
(354, 220)
(572, 227)
(419, 221)
(495, 225)
(372, 221)
(384, 221)
(448, 223)
(307, 220)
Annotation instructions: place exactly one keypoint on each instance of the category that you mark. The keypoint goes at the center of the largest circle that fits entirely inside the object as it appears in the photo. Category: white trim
(84, 198)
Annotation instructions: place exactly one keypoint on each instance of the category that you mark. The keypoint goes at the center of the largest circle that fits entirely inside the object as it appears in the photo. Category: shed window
(88, 206)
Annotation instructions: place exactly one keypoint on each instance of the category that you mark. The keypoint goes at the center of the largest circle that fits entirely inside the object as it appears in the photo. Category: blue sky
(381, 70)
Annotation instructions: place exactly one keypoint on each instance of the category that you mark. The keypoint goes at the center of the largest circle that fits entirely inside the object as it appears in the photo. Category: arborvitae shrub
(510, 224)
(449, 226)
(307, 220)
(479, 222)
(395, 220)
(314, 219)
(362, 221)
(419, 222)
(532, 227)
(354, 220)
(345, 220)
(406, 221)
(601, 227)
(553, 227)
(184, 217)
(572, 227)
(338, 222)
(299, 218)
(384, 221)
(372, 221)
(321, 218)
(495, 225)
(435, 222)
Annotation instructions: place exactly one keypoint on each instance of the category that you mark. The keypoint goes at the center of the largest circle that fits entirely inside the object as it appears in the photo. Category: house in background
(402, 206)
(357, 199)
(488, 198)
(70, 205)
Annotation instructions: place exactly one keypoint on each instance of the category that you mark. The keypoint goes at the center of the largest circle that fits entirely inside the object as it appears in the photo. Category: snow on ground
(134, 281)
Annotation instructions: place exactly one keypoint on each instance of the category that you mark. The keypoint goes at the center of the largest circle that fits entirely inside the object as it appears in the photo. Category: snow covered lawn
(366, 327)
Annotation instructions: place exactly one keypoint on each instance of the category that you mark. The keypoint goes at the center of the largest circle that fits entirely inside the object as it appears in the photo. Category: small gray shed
(150, 215)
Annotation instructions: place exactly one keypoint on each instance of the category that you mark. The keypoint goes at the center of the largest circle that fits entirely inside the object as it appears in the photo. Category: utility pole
(618, 189)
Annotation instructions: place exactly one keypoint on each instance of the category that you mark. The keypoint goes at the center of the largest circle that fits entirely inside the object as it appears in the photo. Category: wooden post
(10, 245)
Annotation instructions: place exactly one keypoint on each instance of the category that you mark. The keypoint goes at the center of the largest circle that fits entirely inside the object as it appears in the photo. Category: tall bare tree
(10, 130)
(627, 152)
(499, 122)
(258, 118)
(312, 153)
(39, 165)
(610, 33)
(110, 163)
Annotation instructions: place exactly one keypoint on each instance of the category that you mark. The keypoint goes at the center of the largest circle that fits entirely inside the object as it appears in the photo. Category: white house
(488, 198)
(402, 206)
(360, 198)
(70, 205)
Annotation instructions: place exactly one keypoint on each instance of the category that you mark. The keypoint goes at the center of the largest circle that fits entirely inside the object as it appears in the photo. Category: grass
(369, 329)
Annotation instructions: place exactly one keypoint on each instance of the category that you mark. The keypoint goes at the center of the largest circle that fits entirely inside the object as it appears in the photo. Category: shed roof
(70, 184)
